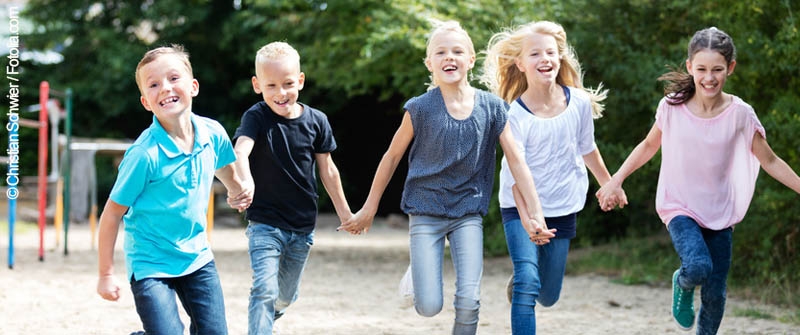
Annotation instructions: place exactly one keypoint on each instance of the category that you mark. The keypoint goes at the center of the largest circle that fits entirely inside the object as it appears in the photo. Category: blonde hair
(501, 75)
(440, 27)
(276, 51)
(175, 49)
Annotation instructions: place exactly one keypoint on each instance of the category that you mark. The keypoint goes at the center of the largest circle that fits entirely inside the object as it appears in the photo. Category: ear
(471, 62)
(519, 66)
(256, 86)
(689, 66)
(145, 104)
(731, 66)
(195, 87)
(301, 81)
(428, 64)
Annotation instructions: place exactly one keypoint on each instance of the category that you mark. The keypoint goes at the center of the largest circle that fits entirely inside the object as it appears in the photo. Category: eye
(174, 78)
(153, 85)
(534, 54)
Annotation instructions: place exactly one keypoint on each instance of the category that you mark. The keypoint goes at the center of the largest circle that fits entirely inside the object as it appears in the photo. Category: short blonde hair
(440, 27)
(501, 75)
(276, 51)
(176, 50)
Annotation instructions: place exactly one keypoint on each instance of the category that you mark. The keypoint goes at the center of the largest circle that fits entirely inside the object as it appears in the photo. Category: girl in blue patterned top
(455, 129)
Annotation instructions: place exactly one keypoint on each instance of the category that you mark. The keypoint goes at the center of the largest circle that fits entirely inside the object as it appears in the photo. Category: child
(455, 129)
(712, 143)
(279, 141)
(163, 184)
(533, 68)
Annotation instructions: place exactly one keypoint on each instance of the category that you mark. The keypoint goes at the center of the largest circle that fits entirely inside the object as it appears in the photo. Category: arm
(774, 165)
(332, 182)
(643, 152)
(362, 220)
(594, 161)
(522, 175)
(241, 172)
(534, 235)
(109, 226)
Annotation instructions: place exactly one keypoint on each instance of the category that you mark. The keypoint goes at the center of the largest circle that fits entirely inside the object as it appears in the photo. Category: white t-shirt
(553, 149)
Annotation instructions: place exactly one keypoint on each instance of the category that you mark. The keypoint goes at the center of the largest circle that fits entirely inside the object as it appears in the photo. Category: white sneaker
(406, 289)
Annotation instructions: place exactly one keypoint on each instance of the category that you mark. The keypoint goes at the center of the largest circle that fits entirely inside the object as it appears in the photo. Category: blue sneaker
(682, 304)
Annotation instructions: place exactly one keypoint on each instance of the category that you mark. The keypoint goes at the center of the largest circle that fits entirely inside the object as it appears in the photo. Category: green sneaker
(682, 304)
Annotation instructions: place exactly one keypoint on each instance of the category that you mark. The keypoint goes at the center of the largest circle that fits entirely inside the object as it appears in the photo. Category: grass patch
(629, 261)
(20, 227)
(753, 313)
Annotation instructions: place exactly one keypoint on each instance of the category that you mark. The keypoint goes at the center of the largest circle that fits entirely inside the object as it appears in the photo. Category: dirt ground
(349, 287)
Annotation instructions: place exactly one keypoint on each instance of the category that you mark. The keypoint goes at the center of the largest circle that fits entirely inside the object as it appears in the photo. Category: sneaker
(406, 290)
(682, 304)
(277, 316)
(141, 332)
(510, 288)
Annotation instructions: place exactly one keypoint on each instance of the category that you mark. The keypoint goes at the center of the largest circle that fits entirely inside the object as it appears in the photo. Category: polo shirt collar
(168, 146)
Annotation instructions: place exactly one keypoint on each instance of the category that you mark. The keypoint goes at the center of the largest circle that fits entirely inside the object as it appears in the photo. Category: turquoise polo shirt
(167, 193)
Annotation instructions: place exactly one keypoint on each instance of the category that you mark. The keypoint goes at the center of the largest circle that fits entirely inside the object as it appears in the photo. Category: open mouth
(449, 68)
(168, 101)
(281, 102)
(545, 69)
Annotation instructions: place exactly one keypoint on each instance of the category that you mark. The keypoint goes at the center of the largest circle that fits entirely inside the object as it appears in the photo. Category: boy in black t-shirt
(279, 141)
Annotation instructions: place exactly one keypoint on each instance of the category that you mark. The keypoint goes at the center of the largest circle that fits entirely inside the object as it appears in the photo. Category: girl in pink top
(712, 145)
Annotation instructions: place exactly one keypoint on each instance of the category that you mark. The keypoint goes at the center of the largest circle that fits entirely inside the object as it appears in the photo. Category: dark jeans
(200, 293)
(705, 260)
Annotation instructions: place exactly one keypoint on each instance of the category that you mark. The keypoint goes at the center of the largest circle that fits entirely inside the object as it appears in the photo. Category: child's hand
(538, 231)
(611, 195)
(107, 288)
(358, 223)
(242, 199)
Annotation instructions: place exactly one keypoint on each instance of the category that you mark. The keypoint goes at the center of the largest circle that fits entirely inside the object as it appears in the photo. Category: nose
(166, 85)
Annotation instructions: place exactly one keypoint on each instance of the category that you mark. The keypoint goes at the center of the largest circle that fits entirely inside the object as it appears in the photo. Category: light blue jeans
(427, 234)
(277, 258)
(538, 275)
(705, 260)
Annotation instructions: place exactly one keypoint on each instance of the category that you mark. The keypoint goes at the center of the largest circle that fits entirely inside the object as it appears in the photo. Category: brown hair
(679, 85)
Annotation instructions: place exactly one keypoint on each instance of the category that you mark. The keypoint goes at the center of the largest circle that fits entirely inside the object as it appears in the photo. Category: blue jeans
(538, 275)
(200, 293)
(277, 258)
(427, 234)
(705, 260)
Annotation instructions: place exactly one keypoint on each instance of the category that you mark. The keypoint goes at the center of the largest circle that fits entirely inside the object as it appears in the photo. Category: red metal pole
(44, 91)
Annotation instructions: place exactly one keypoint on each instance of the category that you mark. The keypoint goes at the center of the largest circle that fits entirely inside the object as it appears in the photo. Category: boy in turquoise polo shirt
(163, 184)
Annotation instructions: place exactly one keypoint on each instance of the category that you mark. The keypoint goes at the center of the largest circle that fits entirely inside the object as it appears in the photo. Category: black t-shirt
(282, 164)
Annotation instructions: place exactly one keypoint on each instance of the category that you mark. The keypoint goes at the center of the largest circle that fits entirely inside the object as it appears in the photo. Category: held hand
(107, 288)
(242, 199)
(358, 223)
(611, 195)
(538, 231)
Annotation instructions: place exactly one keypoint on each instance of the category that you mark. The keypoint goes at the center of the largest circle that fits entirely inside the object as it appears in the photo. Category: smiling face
(167, 87)
(539, 59)
(450, 57)
(709, 70)
(279, 82)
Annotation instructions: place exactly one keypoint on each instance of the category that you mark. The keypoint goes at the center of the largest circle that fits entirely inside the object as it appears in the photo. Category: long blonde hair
(442, 27)
(501, 75)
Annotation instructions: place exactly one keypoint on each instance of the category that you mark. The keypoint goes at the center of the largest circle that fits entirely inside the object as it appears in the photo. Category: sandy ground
(349, 287)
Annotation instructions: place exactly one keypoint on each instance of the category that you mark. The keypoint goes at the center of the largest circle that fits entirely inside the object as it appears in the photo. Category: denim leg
(466, 249)
(552, 265)
(155, 304)
(201, 295)
(293, 261)
(687, 238)
(523, 254)
(265, 247)
(712, 295)
(426, 248)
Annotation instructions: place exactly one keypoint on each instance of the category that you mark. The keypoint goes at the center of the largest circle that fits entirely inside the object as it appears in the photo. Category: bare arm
(241, 170)
(594, 161)
(362, 220)
(523, 178)
(109, 227)
(774, 165)
(535, 236)
(643, 152)
(332, 182)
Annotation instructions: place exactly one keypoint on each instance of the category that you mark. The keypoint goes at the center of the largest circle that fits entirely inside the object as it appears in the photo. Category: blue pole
(12, 209)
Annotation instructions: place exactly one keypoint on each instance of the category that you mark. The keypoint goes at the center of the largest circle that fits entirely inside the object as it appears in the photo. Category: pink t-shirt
(708, 169)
